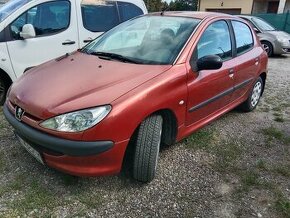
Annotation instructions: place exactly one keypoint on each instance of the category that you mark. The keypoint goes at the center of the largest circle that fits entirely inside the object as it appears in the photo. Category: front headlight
(283, 41)
(77, 121)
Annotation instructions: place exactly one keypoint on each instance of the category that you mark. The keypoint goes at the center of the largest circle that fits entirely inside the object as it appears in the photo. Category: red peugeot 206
(152, 80)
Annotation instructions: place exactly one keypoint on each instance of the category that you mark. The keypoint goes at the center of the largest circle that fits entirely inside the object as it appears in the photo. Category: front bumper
(78, 158)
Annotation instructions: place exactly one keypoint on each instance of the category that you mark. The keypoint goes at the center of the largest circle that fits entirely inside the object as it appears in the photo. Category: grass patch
(69, 180)
(35, 197)
(279, 119)
(274, 133)
(282, 205)
(15, 185)
(201, 139)
(261, 164)
(282, 170)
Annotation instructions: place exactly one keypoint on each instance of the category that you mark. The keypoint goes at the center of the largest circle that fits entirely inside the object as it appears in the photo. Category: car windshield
(144, 40)
(263, 25)
(10, 7)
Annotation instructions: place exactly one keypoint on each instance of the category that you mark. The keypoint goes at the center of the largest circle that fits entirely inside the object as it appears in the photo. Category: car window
(244, 37)
(147, 39)
(47, 18)
(98, 15)
(215, 40)
(263, 25)
(128, 10)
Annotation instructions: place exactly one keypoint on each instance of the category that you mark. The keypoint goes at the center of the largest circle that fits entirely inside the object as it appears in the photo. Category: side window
(99, 16)
(47, 18)
(244, 37)
(128, 10)
(215, 40)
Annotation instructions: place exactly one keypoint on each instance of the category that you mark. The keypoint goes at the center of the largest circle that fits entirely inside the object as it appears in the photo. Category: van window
(47, 18)
(98, 15)
(215, 40)
(244, 37)
(128, 10)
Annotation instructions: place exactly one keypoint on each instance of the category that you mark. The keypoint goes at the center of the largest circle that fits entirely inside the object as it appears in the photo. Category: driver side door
(210, 90)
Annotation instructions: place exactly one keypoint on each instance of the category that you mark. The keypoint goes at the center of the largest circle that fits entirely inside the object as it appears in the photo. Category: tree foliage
(175, 5)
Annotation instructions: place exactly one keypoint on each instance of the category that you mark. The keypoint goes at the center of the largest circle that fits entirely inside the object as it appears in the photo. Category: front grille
(28, 115)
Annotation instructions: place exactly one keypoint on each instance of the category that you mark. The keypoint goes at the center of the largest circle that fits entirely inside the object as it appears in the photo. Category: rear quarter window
(99, 16)
(243, 36)
(128, 11)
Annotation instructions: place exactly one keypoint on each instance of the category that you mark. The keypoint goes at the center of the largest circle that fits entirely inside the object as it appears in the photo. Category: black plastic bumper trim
(64, 146)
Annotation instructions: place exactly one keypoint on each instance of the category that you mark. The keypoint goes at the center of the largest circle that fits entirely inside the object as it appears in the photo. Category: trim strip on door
(220, 95)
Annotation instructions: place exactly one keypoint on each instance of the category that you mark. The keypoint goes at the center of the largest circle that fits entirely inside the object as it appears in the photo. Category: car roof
(192, 14)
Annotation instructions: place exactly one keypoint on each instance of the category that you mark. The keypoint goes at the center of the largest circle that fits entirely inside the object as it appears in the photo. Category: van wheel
(147, 148)
(3, 90)
(268, 48)
(254, 98)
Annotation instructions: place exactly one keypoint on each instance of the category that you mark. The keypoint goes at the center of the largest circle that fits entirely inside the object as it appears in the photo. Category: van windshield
(10, 7)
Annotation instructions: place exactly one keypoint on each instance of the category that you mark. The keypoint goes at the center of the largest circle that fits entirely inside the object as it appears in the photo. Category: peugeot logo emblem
(19, 113)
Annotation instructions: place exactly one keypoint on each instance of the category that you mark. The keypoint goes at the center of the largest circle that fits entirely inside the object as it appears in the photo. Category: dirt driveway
(239, 166)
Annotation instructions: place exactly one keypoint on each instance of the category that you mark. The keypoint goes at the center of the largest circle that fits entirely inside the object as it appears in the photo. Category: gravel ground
(239, 166)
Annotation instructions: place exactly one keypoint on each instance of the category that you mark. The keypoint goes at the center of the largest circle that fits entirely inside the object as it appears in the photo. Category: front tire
(147, 148)
(268, 48)
(251, 103)
(3, 90)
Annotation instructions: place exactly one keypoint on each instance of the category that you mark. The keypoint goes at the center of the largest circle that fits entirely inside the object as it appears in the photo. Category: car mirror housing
(28, 31)
(209, 62)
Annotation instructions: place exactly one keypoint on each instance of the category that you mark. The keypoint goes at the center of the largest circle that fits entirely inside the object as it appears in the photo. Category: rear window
(99, 16)
(128, 10)
(244, 37)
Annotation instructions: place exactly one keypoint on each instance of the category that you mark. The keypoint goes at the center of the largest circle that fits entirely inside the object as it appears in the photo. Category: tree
(175, 5)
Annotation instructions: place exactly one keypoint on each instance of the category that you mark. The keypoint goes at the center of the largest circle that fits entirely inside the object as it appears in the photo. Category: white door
(56, 34)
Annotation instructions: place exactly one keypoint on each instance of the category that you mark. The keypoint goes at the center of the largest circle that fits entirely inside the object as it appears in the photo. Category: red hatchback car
(149, 81)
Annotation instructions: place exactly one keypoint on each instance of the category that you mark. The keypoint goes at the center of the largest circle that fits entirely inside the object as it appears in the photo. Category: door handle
(231, 71)
(68, 42)
(88, 40)
(257, 61)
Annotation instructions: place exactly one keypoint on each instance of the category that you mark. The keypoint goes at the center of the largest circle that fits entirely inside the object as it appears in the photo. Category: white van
(35, 31)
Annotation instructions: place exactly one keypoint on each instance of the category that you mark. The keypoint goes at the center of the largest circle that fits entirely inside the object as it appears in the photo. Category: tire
(268, 47)
(147, 149)
(3, 90)
(251, 103)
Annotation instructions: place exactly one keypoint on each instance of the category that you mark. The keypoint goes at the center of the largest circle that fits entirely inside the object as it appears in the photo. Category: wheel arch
(263, 75)
(5, 77)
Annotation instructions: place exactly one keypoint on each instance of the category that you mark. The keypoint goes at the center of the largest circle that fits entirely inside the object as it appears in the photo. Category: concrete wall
(244, 5)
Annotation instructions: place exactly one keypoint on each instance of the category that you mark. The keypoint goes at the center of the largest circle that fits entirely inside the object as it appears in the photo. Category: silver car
(274, 41)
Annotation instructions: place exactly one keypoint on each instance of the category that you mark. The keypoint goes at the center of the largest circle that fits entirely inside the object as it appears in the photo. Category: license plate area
(31, 150)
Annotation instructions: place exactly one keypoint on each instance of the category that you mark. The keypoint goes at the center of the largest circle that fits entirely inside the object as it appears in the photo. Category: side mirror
(27, 32)
(209, 62)
(256, 30)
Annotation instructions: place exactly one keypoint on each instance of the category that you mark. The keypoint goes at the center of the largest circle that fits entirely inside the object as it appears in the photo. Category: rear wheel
(268, 48)
(3, 90)
(147, 148)
(254, 97)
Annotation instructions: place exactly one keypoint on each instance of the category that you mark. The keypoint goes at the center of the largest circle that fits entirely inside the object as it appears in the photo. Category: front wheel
(254, 97)
(268, 48)
(3, 90)
(147, 148)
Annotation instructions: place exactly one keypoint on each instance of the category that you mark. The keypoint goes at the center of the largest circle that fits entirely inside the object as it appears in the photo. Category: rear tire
(251, 103)
(3, 90)
(268, 47)
(147, 148)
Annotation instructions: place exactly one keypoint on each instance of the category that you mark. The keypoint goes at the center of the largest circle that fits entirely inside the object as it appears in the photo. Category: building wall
(244, 5)
(287, 6)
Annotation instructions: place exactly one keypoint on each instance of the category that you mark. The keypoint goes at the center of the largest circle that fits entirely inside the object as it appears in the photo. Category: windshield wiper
(115, 57)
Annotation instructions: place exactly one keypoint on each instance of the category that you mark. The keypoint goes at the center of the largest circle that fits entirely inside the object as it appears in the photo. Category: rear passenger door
(96, 17)
(247, 59)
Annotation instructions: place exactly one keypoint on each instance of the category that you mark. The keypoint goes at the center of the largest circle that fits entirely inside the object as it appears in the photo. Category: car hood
(76, 82)
(280, 34)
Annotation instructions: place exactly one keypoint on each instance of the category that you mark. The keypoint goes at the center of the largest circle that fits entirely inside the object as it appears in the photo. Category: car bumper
(281, 49)
(78, 158)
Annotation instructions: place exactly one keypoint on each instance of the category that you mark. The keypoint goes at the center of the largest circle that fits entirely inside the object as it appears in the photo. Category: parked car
(275, 42)
(35, 31)
(152, 80)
